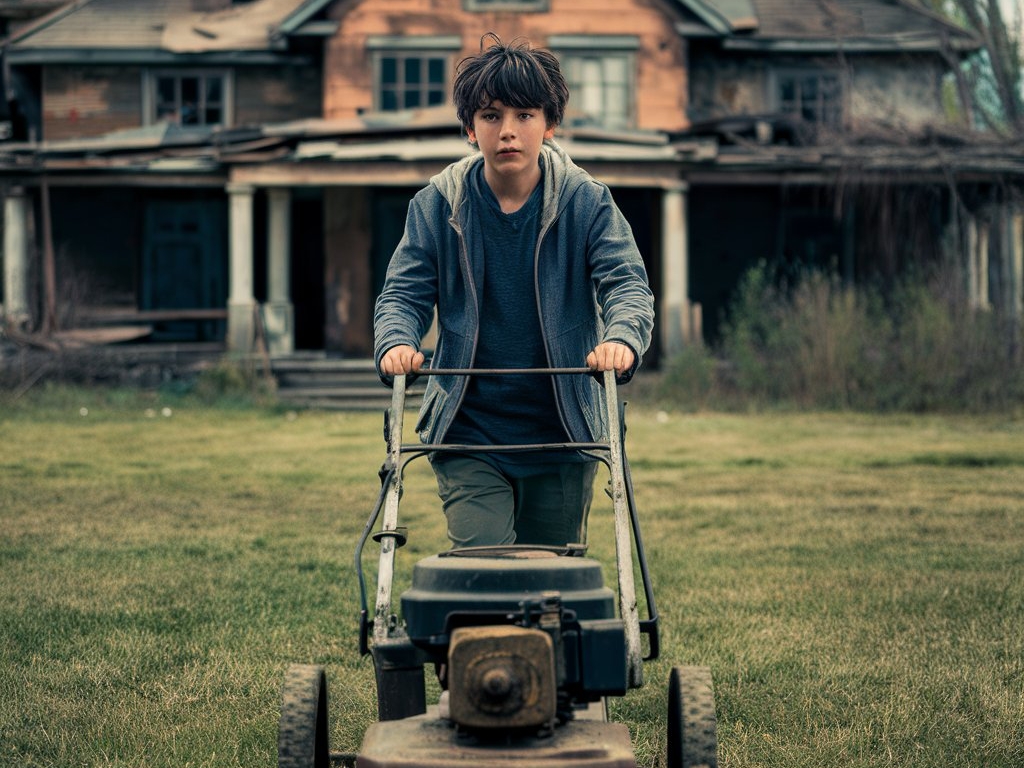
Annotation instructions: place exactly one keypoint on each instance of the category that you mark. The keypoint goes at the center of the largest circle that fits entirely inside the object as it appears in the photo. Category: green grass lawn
(856, 583)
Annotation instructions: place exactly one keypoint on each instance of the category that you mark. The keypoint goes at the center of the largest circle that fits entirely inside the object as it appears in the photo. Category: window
(813, 96)
(599, 72)
(409, 80)
(189, 98)
(599, 88)
(506, 5)
(411, 73)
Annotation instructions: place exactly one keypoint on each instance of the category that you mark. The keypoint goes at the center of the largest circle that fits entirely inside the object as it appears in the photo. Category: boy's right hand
(401, 359)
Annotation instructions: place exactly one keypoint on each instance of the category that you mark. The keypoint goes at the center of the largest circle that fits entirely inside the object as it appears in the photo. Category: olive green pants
(484, 506)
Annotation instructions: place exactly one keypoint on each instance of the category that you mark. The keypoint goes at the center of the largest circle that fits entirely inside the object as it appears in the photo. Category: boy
(530, 264)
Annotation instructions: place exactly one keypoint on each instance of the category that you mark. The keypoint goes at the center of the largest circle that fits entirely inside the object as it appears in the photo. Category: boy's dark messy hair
(515, 74)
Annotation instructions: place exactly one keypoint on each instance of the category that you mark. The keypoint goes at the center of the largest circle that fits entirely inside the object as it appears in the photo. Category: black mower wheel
(302, 734)
(692, 725)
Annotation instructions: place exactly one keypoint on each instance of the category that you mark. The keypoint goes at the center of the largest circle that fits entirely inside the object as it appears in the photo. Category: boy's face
(510, 138)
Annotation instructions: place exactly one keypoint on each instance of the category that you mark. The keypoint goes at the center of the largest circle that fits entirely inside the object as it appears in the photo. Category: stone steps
(335, 384)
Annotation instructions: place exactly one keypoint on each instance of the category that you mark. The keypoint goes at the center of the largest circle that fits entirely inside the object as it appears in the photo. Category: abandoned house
(231, 173)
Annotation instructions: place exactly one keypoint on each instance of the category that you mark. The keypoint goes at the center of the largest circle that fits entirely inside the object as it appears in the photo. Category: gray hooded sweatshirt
(590, 286)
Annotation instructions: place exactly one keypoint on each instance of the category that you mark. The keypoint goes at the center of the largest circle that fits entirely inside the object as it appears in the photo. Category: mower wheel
(692, 725)
(302, 735)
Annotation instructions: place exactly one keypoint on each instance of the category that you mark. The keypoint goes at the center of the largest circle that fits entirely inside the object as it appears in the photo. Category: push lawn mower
(525, 640)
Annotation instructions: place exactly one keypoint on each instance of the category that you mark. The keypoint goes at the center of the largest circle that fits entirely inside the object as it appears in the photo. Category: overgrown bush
(947, 356)
(815, 342)
(239, 382)
(691, 379)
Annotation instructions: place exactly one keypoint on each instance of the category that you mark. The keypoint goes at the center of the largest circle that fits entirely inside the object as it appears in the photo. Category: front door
(184, 265)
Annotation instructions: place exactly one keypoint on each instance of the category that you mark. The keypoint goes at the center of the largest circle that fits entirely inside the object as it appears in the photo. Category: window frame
(150, 100)
(623, 48)
(826, 113)
(405, 49)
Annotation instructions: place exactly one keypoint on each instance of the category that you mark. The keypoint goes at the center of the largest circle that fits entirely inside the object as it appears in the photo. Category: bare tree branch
(995, 93)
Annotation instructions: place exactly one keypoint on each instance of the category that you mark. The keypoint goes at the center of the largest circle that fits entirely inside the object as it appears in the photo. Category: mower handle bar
(502, 371)
(627, 529)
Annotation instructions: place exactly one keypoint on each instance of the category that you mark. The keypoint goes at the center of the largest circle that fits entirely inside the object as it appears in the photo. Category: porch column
(1017, 264)
(241, 305)
(676, 323)
(16, 306)
(1016, 278)
(278, 315)
(977, 263)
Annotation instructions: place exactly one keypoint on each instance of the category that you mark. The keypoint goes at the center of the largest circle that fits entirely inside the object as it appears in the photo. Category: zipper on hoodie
(540, 315)
(545, 228)
(464, 258)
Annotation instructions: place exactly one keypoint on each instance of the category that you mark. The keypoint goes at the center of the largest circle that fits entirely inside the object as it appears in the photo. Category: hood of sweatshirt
(562, 177)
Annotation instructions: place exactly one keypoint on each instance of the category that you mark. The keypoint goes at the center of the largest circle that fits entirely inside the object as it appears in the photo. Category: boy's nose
(508, 126)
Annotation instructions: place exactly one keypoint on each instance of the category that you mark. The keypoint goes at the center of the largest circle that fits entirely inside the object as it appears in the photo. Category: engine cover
(483, 585)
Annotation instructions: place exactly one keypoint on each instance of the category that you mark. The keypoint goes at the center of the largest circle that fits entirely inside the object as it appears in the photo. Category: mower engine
(523, 637)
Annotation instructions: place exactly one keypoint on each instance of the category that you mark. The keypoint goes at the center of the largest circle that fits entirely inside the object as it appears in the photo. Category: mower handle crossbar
(611, 453)
(425, 448)
(504, 372)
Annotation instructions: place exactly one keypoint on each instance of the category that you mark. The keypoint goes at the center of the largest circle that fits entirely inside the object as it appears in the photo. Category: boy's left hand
(611, 355)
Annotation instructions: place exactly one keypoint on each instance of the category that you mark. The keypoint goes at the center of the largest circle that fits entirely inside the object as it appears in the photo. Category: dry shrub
(817, 342)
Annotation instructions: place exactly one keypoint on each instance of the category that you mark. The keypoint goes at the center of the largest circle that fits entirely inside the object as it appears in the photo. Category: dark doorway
(307, 268)
(390, 207)
(642, 209)
(184, 265)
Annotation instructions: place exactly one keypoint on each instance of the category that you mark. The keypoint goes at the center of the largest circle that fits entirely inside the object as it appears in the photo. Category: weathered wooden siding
(902, 92)
(90, 101)
(660, 84)
(721, 86)
(276, 94)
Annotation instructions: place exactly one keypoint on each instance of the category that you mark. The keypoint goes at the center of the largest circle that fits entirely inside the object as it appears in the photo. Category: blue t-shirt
(517, 409)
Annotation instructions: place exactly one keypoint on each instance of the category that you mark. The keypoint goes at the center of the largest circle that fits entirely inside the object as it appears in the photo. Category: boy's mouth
(508, 151)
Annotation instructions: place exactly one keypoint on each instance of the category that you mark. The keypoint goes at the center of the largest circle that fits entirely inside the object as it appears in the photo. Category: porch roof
(406, 148)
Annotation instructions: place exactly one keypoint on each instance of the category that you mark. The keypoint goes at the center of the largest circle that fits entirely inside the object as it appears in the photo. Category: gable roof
(724, 16)
(113, 29)
(250, 26)
(27, 9)
(813, 25)
(301, 15)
